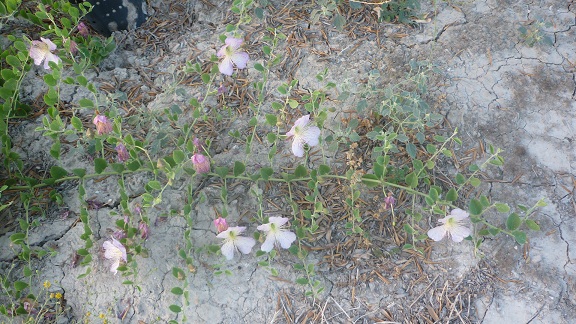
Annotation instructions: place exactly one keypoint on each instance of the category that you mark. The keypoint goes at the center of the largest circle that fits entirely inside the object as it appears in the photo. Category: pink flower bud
(83, 29)
(122, 152)
(220, 224)
(144, 230)
(103, 125)
(389, 201)
(119, 234)
(201, 163)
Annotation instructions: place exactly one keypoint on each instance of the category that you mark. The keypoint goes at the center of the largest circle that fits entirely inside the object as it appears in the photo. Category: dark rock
(112, 15)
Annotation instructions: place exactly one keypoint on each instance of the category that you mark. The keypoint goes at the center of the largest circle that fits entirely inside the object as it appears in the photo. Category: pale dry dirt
(491, 85)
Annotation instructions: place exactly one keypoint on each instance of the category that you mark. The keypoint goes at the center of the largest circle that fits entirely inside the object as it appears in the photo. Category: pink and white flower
(453, 225)
(276, 234)
(115, 251)
(231, 56)
(41, 51)
(234, 241)
(303, 133)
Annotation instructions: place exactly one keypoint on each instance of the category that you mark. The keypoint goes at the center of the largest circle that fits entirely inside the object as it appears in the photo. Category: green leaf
(175, 308)
(239, 168)
(513, 222)
(475, 182)
(408, 229)
(100, 165)
(292, 103)
(118, 167)
(460, 179)
(55, 150)
(532, 225)
(282, 90)
(155, 184)
(86, 103)
(259, 67)
(431, 148)
(301, 171)
(206, 78)
(452, 195)
(411, 149)
(520, 237)
(271, 119)
(178, 156)
(17, 238)
(266, 173)
(221, 171)
(76, 123)
(323, 169)
(475, 207)
(302, 281)
(178, 273)
(57, 172)
(412, 180)
(82, 252)
(13, 61)
(50, 81)
(433, 193)
(134, 165)
(483, 232)
(177, 291)
(494, 231)
(503, 208)
(339, 22)
(20, 285)
(271, 137)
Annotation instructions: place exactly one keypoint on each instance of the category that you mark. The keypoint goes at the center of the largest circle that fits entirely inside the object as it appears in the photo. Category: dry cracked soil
(490, 84)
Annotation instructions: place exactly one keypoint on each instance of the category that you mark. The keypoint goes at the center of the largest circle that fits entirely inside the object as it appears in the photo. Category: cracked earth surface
(493, 87)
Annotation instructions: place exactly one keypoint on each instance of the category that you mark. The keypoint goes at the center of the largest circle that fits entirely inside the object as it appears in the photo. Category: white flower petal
(268, 245)
(228, 250)
(459, 214)
(245, 244)
(240, 59)
(459, 233)
(298, 147)
(285, 238)
(51, 46)
(235, 43)
(222, 51)
(437, 233)
(114, 266)
(302, 121)
(111, 252)
(226, 66)
(264, 227)
(279, 221)
(37, 55)
(311, 135)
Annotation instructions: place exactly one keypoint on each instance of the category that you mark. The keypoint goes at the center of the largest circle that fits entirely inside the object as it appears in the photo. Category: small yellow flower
(47, 284)
(88, 314)
(58, 295)
(101, 315)
(51, 295)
